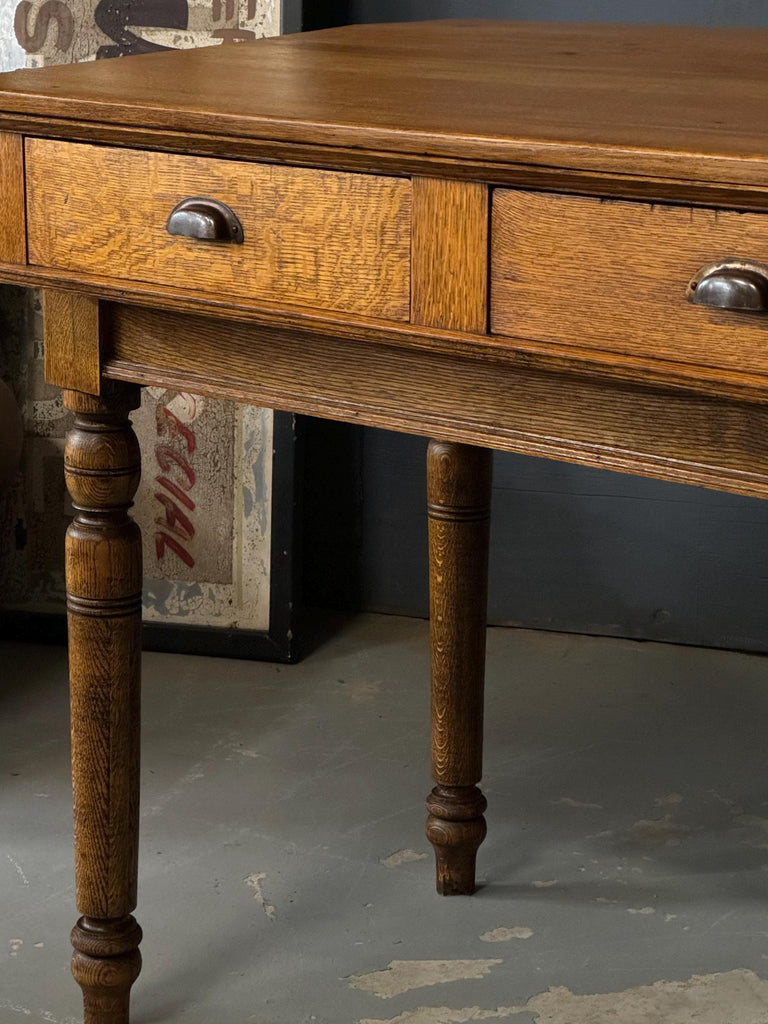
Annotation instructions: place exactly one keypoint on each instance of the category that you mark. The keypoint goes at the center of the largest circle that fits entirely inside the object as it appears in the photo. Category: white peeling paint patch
(539, 884)
(706, 999)
(15, 1008)
(641, 910)
(506, 934)
(39, 945)
(19, 870)
(568, 801)
(657, 832)
(669, 800)
(394, 860)
(446, 1015)
(15, 945)
(404, 975)
(254, 881)
(670, 917)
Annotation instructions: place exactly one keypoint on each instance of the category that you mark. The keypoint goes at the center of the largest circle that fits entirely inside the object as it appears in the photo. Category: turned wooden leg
(459, 495)
(104, 576)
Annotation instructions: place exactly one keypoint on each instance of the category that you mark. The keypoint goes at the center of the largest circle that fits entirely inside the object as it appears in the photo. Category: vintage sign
(205, 500)
(62, 31)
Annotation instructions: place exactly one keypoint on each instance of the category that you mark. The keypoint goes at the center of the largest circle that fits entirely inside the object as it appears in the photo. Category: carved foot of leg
(105, 963)
(456, 828)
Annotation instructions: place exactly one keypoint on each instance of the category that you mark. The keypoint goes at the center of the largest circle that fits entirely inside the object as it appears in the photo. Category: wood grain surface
(312, 238)
(459, 511)
(13, 240)
(613, 276)
(632, 428)
(536, 94)
(450, 254)
(104, 578)
(491, 348)
(71, 340)
(719, 190)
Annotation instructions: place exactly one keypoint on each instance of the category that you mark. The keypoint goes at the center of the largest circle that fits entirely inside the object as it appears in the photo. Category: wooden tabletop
(683, 102)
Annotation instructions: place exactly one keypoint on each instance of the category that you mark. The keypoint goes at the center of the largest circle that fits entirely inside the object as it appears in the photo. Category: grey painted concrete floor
(285, 878)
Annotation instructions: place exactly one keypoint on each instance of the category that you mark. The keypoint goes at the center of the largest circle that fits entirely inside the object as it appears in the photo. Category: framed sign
(218, 494)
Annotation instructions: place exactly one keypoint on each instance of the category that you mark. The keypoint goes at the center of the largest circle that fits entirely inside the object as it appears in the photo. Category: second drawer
(612, 275)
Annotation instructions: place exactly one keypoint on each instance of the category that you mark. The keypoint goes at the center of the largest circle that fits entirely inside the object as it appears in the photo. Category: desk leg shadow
(458, 496)
(103, 559)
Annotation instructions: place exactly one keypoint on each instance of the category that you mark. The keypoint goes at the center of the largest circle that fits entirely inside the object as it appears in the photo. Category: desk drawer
(331, 241)
(613, 275)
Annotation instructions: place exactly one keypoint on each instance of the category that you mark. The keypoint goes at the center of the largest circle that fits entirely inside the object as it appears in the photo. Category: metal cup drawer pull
(731, 284)
(205, 219)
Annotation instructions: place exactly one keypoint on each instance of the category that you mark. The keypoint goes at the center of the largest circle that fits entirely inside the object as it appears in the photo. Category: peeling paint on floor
(657, 832)
(641, 910)
(506, 934)
(670, 800)
(19, 869)
(15, 1008)
(404, 975)
(339, 911)
(446, 1015)
(44, 1015)
(254, 882)
(734, 997)
(394, 860)
(568, 801)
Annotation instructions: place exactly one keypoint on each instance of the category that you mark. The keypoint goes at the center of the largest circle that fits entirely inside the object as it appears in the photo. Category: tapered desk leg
(104, 576)
(459, 494)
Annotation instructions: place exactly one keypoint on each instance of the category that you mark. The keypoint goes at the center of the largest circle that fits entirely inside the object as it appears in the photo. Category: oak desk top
(680, 103)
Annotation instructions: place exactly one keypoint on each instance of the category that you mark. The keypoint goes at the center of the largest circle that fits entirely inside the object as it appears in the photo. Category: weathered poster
(62, 31)
(204, 504)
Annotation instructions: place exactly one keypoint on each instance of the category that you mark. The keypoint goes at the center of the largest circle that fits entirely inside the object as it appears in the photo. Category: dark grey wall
(572, 549)
(668, 12)
(576, 549)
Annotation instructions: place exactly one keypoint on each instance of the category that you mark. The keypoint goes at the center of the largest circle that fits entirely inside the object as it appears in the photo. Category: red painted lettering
(168, 421)
(163, 540)
(175, 520)
(177, 492)
(167, 456)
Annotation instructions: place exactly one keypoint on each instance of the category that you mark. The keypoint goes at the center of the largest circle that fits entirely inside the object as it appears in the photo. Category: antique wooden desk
(542, 238)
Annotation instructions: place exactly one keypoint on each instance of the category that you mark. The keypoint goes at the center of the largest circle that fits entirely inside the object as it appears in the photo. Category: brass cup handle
(205, 219)
(731, 284)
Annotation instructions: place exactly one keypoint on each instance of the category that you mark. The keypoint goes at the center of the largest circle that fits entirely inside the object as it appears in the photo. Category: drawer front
(331, 241)
(613, 275)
